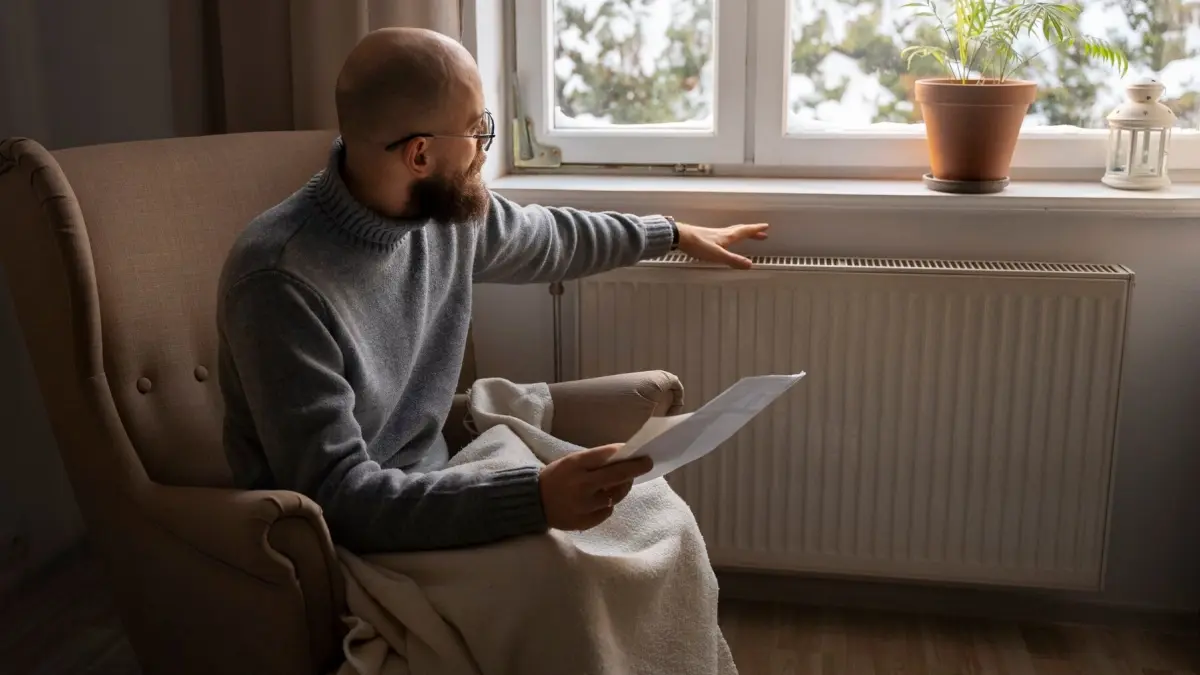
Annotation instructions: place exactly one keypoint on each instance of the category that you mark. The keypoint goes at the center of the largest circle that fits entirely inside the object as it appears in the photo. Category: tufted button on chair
(111, 254)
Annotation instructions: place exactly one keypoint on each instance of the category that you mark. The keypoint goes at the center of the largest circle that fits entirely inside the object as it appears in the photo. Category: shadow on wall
(38, 515)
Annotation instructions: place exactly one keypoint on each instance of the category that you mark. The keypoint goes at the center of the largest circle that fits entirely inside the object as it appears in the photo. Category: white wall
(1154, 559)
(72, 72)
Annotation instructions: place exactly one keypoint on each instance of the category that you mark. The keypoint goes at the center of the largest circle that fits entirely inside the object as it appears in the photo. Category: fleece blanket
(634, 595)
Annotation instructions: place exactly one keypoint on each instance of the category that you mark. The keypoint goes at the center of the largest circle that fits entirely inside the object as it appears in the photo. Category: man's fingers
(594, 458)
(715, 252)
(600, 499)
(614, 474)
(620, 492)
(753, 231)
(740, 262)
(732, 259)
(607, 497)
(718, 253)
(594, 518)
(596, 500)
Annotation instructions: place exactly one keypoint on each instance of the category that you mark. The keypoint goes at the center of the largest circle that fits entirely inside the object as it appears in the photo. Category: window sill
(646, 194)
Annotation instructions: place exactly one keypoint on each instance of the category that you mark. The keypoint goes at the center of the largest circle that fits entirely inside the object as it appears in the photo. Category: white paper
(675, 441)
(653, 428)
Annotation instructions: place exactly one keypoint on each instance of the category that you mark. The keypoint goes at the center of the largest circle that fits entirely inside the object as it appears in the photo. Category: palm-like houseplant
(973, 115)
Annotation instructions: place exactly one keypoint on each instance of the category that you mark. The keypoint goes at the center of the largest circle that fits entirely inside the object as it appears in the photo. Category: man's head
(410, 109)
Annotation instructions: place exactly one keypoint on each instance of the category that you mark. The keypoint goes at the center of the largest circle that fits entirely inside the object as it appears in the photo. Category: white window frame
(751, 114)
(1037, 149)
(724, 144)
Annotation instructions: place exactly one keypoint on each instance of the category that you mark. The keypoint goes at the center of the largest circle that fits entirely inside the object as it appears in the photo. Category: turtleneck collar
(348, 216)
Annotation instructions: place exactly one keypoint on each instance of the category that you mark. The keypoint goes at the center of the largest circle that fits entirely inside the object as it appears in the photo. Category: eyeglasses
(485, 137)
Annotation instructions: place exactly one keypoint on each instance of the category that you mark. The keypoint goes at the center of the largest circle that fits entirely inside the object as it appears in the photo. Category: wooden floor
(64, 624)
(776, 639)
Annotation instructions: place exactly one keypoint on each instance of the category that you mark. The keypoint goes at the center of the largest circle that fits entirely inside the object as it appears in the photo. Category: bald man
(343, 313)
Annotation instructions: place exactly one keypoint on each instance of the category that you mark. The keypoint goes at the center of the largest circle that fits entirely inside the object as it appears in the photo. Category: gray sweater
(342, 335)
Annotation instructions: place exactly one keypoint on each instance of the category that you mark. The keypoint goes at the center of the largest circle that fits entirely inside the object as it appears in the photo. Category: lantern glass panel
(1118, 150)
(1146, 146)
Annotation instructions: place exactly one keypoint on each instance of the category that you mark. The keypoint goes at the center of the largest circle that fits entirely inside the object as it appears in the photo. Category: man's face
(454, 193)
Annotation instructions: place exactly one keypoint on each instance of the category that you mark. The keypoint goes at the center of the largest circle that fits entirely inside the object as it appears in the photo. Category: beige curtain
(266, 65)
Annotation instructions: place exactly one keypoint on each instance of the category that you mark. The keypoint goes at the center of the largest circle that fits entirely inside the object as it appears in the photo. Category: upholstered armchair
(111, 254)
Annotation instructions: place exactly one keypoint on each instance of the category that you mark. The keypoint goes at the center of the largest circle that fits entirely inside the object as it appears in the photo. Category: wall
(73, 72)
(78, 72)
(1154, 559)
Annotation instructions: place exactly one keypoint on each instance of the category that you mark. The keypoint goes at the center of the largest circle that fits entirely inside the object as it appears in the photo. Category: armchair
(111, 254)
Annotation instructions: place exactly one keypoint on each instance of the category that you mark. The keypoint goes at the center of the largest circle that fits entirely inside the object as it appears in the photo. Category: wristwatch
(674, 232)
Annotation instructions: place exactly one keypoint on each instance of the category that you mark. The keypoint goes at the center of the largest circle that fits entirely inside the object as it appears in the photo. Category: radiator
(957, 423)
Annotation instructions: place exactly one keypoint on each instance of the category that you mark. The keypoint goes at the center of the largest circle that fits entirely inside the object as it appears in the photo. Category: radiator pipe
(556, 293)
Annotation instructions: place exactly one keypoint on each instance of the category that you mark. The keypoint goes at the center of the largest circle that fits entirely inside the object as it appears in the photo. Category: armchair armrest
(236, 544)
(610, 409)
(235, 526)
(593, 412)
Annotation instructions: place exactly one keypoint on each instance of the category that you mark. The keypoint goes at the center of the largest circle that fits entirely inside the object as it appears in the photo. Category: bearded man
(343, 314)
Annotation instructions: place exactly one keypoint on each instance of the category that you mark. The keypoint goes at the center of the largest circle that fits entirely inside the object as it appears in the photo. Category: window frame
(725, 144)
(750, 134)
(774, 147)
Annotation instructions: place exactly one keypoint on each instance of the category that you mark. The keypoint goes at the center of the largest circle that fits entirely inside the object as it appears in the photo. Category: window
(814, 83)
(635, 81)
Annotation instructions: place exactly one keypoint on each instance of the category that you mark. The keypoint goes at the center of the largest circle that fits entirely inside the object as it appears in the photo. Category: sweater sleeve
(290, 368)
(538, 244)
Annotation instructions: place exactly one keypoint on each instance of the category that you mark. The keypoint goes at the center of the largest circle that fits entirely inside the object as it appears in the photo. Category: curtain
(271, 64)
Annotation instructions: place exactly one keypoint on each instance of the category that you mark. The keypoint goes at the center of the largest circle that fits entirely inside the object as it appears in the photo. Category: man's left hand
(712, 244)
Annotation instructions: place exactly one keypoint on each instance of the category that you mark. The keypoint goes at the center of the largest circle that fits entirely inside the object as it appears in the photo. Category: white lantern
(1139, 133)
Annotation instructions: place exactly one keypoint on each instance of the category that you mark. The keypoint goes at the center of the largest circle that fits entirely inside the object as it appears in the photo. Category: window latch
(527, 152)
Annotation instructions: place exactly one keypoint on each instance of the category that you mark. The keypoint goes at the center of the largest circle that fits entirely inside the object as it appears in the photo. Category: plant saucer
(965, 187)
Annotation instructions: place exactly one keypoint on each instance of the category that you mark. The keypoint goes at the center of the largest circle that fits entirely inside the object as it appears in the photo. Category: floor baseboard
(982, 603)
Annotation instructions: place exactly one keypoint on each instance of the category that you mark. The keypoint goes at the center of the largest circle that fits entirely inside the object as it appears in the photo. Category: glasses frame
(485, 139)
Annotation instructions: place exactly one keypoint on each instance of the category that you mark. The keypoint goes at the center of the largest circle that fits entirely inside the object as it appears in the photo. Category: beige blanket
(635, 595)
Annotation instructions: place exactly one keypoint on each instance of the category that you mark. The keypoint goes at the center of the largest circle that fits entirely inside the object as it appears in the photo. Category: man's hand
(712, 245)
(580, 490)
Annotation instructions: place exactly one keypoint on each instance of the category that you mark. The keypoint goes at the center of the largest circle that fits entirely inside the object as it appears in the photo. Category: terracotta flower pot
(972, 127)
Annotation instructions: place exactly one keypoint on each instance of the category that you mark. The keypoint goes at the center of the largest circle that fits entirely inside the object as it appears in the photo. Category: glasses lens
(490, 126)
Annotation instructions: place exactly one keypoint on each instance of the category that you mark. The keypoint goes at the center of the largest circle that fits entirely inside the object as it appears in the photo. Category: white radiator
(957, 422)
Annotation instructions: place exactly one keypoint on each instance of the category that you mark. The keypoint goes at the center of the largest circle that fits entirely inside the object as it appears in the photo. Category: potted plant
(973, 115)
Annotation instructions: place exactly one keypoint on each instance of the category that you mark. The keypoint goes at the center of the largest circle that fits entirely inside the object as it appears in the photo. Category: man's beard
(452, 200)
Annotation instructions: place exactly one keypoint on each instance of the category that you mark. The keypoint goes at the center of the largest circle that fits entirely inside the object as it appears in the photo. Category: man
(343, 313)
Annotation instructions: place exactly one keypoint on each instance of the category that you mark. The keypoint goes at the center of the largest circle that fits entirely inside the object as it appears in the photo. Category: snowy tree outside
(627, 62)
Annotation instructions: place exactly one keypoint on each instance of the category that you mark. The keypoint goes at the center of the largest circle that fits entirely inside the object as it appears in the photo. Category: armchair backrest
(112, 255)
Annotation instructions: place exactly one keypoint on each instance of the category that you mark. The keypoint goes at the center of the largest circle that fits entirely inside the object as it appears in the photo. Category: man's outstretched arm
(538, 244)
(289, 367)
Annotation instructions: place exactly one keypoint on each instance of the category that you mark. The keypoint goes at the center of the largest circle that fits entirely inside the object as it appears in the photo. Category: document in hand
(675, 441)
